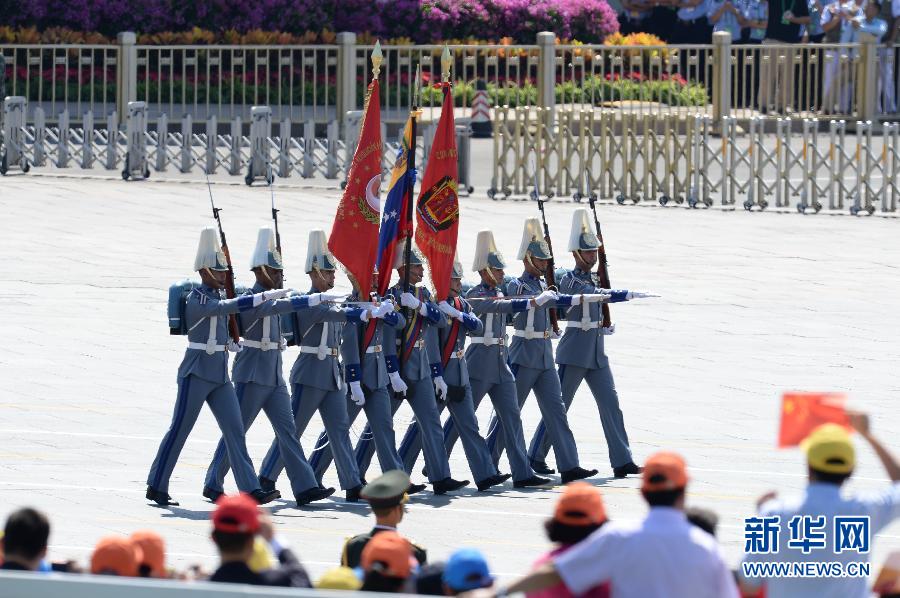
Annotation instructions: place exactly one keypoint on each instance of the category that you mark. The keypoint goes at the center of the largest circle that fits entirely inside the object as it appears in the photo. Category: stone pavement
(751, 306)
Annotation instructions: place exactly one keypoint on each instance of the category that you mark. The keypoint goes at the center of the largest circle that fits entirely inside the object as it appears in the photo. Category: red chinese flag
(354, 235)
(437, 209)
(803, 412)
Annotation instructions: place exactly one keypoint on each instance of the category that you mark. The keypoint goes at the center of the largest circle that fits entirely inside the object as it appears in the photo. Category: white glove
(397, 383)
(440, 388)
(233, 347)
(317, 298)
(639, 295)
(556, 335)
(275, 294)
(365, 315)
(356, 394)
(597, 298)
(259, 299)
(450, 310)
(608, 331)
(576, 300)
(409, 300)
(382, 310)
(545, 297)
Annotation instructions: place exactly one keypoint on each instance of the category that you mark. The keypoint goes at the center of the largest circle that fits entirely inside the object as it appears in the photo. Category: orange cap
(237, 514)
(117, 556)
(664, 471)
(580, 504)
(388, 553)
(154, 549)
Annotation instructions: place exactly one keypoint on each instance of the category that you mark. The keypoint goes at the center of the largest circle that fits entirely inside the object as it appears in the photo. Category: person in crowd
(388, 563)
(24, 543)
(339, 578)
(466, 570)
(705, 519)
(118, 556)
(831, 460)
(153, 550)
(776, 79)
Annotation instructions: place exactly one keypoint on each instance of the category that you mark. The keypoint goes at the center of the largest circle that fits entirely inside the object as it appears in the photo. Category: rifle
(602, 264)
(550, 272)
(275, 217)
(229, 278)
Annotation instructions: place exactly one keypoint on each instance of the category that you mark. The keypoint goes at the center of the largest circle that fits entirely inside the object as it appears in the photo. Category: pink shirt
(560, 590)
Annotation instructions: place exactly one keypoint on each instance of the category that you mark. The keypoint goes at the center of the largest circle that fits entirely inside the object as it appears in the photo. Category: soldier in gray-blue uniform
(317, 379)
(362, 350)
(531, 352)
(487, 359)
(580, 353)
(448, 344)
(259, 380)
(416, 380)
(203, 375)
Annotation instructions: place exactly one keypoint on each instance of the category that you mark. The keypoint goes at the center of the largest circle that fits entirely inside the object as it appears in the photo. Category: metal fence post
(721, 84)
(346, 76)
(546, 82)
(867, 84)
(126, 79)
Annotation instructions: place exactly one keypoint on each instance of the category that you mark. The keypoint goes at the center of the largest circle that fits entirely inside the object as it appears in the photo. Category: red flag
(803, 412)
(437, 209)
(354, 235)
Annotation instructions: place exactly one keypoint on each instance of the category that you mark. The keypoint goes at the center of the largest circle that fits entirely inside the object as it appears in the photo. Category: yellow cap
(829, 449)
(340, 578)
(262, 556)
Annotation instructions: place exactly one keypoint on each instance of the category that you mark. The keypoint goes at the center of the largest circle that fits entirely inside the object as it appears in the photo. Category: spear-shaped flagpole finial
(445, 64)
(377, 59)
(416, 87)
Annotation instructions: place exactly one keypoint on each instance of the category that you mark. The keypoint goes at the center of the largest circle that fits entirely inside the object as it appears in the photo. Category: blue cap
(467, 569)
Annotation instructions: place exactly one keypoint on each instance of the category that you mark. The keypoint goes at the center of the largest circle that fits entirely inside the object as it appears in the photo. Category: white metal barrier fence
(805, 165)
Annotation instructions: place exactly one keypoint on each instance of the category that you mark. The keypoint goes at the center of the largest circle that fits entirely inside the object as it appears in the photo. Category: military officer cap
(265, 253)
(415, 256)
(387, 490)
(318, 257)
(209, 252)
(486, 253)
(582, 237)
(533, 241)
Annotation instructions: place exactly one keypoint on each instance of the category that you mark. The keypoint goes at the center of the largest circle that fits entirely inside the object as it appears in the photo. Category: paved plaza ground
(753, 304)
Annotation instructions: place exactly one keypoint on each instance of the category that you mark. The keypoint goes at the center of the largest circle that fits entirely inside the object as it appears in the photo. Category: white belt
(374, 349)
(532, 334)
(583, 325)
(487, 340)
(208, 347)
(457, 354)
(263, 345)
(320, 351)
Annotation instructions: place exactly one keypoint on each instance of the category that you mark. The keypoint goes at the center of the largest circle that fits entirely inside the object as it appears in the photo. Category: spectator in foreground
(831, 459)
(703, 518)
(579, 513)
(339, 578)
(466, 570)
(153, 549)
(24, 543)
(430, 579)
(116, 555)
(662, 556)
(236, 522)
(388, 563)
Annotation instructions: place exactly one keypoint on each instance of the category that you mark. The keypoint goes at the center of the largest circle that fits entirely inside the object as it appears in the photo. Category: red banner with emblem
(437, 209)
(354, 235)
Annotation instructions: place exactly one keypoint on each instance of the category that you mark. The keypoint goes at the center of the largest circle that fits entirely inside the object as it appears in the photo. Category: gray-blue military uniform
(580, 356)
(365, 362)
(260, 385)
(417, 374)
(448, 343)
(203, 378)
(531, 362)
(317, 384)
(487, 361)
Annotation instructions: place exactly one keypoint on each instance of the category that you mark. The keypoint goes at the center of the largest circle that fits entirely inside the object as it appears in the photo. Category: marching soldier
(449, 344)
(258, 377)
(387, 496)
(362, 350)
(317, 380)
(418, 381)
(203, 376)
(531, 352)
(580, 353)
(487, 360)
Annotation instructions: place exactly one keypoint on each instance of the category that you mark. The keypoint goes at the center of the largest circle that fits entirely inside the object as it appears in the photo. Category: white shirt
(825, 499)
(662, 556)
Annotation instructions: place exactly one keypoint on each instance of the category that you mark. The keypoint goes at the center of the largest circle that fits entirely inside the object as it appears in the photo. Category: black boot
(312, 495)
(448, 485)
(353, 493)
(160, 498)
(531, 482)
(490, 482)
(262, 497)
(415, 488)
(542, 468)
(630, 468)
(266, 484)
(577, 473)
(212, 495)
